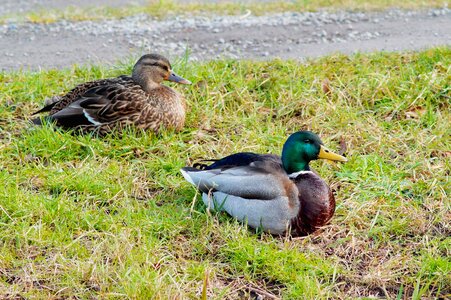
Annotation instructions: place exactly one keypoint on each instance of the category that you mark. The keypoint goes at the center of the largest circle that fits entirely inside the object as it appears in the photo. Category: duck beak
(327, 154)
(176, 78)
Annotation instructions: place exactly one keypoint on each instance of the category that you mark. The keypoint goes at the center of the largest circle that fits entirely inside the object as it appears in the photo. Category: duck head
(151, 69)
(302, 147)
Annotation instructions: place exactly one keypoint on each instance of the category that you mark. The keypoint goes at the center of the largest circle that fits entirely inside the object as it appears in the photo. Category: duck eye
(307, 141)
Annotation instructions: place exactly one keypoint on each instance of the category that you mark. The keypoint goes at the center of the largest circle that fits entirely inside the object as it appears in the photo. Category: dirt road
(287, 35)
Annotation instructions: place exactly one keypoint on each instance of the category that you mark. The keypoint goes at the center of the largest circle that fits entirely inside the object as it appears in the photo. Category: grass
(165, 8)
(85, 217)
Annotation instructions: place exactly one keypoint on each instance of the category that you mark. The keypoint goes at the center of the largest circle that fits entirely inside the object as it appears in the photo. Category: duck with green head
(279, 195)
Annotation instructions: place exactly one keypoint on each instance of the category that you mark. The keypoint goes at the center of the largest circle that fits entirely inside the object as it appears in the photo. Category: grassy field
(112, 218)
(165, 8)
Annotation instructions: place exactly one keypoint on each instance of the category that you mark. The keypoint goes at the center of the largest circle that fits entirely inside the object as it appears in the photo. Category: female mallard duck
(140, 100)
(276, 194)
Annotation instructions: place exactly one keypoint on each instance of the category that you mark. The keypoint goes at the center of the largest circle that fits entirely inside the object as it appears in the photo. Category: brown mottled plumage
(279, 195)
(139, 100)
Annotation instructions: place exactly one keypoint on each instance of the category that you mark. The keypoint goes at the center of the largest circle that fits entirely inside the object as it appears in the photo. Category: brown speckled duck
(279, 195)
(140, 100)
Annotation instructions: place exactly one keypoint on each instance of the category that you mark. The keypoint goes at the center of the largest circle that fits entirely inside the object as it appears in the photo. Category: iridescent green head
(302, 147)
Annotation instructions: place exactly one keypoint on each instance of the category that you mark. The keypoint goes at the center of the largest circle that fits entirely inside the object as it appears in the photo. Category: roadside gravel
(285, 35)
(24, 6)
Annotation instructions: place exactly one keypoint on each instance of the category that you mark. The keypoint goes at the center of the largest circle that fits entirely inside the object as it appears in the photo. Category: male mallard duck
(139, 100)
(276, 194)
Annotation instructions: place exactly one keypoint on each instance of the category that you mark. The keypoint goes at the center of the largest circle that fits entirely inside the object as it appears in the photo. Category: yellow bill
(327, 154)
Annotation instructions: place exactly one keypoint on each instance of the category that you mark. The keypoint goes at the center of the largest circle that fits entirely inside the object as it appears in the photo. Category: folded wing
(259, 193)
(97, 106)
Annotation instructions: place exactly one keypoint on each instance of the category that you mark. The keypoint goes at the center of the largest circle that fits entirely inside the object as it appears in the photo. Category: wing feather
(259, 180)
(99, 105)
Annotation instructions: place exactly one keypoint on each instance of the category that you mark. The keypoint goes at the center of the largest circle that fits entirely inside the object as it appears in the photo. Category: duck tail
(44, 109)
(39, 121)
(49, 104)
(199, 178)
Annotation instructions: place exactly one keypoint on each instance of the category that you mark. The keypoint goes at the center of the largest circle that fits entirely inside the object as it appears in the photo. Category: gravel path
(287, 35)
(24, 6)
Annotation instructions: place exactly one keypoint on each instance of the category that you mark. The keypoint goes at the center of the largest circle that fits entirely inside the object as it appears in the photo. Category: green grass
(112, 218)
(165, 8)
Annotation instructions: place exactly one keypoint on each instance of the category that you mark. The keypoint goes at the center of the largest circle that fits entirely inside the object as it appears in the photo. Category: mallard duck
(140, 100)
(279, 195)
